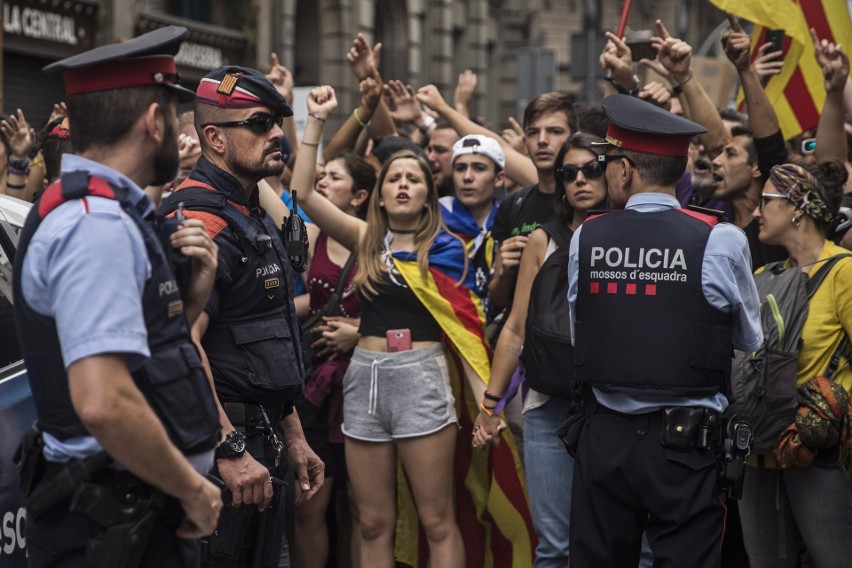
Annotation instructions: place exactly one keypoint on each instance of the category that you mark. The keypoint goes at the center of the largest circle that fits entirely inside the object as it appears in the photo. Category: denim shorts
(387, 396)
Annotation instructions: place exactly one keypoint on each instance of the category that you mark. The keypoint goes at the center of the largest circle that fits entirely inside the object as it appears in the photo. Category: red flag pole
(623, 23)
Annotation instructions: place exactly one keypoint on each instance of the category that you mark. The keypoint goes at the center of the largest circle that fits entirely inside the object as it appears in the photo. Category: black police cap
(642, 127)
(146, 60)
(240, 87)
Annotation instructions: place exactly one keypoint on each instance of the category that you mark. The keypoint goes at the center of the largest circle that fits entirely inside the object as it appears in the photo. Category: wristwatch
(234, 446)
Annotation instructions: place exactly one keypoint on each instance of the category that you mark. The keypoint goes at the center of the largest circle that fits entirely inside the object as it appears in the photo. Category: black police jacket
(253, 340)
(172, 379)
(639, 295)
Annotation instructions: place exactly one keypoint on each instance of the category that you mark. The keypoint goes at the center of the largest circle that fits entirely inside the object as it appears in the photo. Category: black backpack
(548, 354)
(763, 383)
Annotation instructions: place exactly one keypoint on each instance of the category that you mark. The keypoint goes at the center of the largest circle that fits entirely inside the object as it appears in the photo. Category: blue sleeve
(88, 272)
(728, 283)
(573, 276)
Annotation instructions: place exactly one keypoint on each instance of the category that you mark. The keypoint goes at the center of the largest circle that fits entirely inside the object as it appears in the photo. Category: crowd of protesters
(428, 232)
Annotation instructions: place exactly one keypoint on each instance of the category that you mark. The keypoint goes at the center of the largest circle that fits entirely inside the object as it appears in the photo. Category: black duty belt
(248, 417)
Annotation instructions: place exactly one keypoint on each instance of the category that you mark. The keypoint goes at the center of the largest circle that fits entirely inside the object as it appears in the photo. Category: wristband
(16, 186)
(360, 122)
(624, 90)
(19, 167)
(492, 397)
(487, 410)
(688, 79)
(316, 116)
(427, 123)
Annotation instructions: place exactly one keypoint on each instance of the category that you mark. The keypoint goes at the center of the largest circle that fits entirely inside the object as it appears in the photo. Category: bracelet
(360, 122)
(486, 409)
(493, 397)
(624, 90)
(427, 123)
(688, 79)
(676, 90)
(19, 167)
(310, 143)
(17, 186)
(316, 116)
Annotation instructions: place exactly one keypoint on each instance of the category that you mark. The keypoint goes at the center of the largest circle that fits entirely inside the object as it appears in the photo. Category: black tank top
(397, 307)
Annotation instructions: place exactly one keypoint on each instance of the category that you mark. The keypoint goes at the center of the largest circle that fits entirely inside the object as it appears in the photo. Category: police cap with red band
(240, 87)
(639, 126)
(147, 60)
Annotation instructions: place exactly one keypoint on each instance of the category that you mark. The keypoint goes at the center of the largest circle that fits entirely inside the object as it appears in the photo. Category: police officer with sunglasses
(248, 332)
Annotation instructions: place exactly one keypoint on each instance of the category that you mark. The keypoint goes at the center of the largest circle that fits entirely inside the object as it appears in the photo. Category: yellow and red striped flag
(797, 93)
(492, 506)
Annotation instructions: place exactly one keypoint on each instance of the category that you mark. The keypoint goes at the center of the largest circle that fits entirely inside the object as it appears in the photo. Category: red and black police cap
(240, 87)
(639, 126)
(147, 60)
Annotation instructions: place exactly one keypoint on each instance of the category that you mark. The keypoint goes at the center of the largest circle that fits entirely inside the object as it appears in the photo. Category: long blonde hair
(371, 266)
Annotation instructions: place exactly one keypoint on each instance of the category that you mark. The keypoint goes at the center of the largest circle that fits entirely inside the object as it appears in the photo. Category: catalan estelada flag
(492, 506)
(797, 93)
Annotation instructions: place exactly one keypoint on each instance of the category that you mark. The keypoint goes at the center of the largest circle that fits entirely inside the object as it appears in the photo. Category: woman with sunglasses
(809, 502)
(580, 187)
(399, 402)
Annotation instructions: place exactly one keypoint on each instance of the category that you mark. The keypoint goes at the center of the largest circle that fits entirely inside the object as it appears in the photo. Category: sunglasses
(258, 123)
(764, 197)
(808, 146)
(568, 173)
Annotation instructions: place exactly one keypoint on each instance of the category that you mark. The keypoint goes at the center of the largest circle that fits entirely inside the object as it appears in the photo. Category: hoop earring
(565, 197)
(795, 222)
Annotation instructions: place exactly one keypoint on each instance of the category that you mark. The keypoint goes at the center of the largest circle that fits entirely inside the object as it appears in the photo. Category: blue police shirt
(86, 267)
(727, 283)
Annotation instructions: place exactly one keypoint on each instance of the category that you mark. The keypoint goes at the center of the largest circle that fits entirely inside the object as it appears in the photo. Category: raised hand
(19, 134)
(617, 58)
(657, 94)
(737, 44)
(364, 59)
(371, 93)
(767, 63)
(431, 97)
(674, 54)
(281, 78)
(833, 61)
(464, 91)
(400, 100)
(514, 136)
(321, 101)
(60, 109)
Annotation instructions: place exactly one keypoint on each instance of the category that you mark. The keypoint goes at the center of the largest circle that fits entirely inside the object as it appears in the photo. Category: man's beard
(258, 169)
(166, 159)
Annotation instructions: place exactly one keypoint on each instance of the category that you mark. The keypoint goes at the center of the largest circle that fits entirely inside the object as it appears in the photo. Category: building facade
(516, 47)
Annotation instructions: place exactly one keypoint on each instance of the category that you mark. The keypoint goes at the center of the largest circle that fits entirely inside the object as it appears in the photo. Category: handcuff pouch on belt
(686, 428)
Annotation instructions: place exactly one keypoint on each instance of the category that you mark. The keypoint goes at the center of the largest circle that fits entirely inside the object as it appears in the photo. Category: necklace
(402, 231)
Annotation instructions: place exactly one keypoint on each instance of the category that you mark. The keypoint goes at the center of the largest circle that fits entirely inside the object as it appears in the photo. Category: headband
(803, 189)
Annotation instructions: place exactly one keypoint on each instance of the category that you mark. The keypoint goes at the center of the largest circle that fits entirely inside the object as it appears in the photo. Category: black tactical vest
(254, 342)
(643, 324)
(172, 379)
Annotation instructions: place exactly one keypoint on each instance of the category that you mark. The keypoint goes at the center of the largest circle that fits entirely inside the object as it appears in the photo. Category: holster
(29, 459)
(569, 431)
(230, 543)
(62, 486)
(127, 511)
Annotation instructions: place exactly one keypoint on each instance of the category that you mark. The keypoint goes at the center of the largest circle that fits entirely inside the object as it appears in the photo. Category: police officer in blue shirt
(127, 419)
(248, 331)
(659, 297)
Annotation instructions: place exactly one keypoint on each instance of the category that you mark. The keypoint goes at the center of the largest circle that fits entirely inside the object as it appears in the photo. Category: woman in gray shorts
(397, 398)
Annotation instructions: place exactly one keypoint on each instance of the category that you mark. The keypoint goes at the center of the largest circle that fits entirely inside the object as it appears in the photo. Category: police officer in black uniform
(248, 330)
(659, 297)
(113, 471)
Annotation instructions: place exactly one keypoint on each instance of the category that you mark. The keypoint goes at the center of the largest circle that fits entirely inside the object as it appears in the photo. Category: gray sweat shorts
(387, 396)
